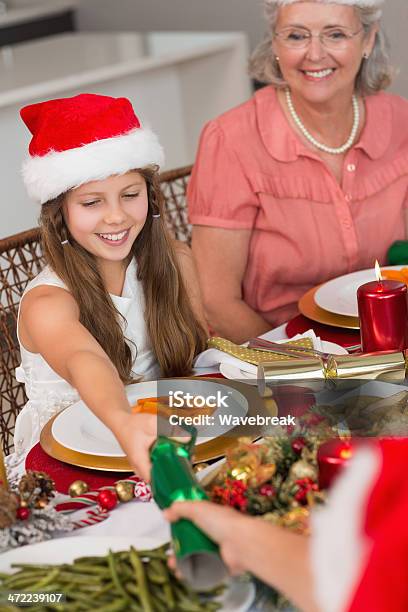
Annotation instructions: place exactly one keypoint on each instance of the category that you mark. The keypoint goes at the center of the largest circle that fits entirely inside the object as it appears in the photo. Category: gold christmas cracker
(389, 366)
(256, 356)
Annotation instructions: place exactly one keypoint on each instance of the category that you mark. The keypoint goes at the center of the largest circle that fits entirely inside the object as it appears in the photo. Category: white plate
(238, 597)
(232, 372)
(78, 429)
(339, 295)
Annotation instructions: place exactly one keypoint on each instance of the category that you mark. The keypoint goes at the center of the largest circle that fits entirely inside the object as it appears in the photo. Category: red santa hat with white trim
(359, 546)
(84, 138)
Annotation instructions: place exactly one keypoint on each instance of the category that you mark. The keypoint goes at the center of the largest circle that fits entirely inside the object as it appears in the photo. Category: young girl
(118, 300)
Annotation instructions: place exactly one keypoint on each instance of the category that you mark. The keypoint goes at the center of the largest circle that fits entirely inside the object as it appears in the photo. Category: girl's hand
(224, 525)
(136, 433)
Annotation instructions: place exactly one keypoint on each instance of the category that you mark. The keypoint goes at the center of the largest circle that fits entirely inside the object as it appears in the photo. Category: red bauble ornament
(23, 513)
(107, 499)
(298, 444)
(304, 485)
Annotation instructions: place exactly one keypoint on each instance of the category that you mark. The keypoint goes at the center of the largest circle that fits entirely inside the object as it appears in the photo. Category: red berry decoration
(23, 513)
(298, 444)
(267, 490)
(107, 499)
(232, 493)
(304, 485)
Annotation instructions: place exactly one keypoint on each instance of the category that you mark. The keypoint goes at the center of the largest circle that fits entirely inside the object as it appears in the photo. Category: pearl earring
(365, 56)
(277, 58)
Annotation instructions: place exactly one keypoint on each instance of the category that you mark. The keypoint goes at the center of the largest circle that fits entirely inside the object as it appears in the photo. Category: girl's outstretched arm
(49, 324)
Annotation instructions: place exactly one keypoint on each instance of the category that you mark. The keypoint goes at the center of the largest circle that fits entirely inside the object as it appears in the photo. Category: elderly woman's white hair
(375, 72)
(360, 3)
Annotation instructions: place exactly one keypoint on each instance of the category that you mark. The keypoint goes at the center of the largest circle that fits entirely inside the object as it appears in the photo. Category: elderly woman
(307, 180)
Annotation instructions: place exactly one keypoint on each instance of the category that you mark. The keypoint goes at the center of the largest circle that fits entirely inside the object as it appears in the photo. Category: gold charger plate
(204, 452)
(310, 309)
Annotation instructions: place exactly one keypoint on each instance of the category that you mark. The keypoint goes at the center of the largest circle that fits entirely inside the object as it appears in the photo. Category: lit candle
(383, 312)
(3, 473)
(332, 458)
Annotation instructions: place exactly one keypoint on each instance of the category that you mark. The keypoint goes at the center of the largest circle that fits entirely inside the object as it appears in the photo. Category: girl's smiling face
(105, 217)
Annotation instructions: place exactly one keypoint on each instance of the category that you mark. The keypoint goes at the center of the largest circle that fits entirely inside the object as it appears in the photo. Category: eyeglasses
(332, 38)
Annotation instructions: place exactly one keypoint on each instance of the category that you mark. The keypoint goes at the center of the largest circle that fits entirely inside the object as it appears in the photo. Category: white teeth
(320, 74)
(114, 237)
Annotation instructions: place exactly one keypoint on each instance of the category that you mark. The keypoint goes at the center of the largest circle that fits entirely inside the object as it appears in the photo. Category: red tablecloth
(344, 337)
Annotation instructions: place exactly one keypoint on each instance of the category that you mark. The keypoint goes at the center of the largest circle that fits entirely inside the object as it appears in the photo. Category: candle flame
(378, 271)
(346, 453)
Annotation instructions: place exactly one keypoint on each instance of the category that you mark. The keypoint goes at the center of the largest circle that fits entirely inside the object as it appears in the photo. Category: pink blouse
(253, 172)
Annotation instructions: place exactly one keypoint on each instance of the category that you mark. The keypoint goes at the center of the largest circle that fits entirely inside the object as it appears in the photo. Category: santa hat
(84, 138)
(359, 541)
(359, 3)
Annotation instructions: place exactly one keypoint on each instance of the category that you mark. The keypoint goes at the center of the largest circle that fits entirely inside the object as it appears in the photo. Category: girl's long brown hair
(175, 334)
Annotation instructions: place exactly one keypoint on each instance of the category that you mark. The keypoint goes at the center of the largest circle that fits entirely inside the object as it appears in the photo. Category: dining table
(143, 519)
(134, 520)
(139, 519)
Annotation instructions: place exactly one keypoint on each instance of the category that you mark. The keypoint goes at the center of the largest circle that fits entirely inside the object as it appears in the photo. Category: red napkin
(64, 474)
(344, 337)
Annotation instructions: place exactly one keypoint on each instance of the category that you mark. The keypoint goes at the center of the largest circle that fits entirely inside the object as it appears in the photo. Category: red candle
(383, 312)
(332, 458)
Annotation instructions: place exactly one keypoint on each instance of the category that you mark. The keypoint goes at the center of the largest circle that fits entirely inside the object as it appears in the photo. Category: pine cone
(8, 507)
(34, 485)
(45, 483)
(27, 485)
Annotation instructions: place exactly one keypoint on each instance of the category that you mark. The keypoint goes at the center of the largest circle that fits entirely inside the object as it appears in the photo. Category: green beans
(141, 581)
(131, 580)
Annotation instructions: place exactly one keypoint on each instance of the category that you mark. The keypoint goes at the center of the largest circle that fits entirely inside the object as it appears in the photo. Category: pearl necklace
(333, 150)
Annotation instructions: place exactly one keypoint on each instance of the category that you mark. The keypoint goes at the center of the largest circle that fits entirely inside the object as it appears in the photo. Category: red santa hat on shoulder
(84, 138)
(360, 538)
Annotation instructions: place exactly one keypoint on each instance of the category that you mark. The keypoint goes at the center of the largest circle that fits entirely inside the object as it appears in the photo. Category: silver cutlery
(295, 351)
(285, 349)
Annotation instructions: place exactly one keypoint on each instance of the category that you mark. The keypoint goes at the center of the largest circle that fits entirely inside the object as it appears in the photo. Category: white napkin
(213, 357)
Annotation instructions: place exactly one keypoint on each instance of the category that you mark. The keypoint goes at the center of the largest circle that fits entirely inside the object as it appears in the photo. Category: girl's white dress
(47, 392)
